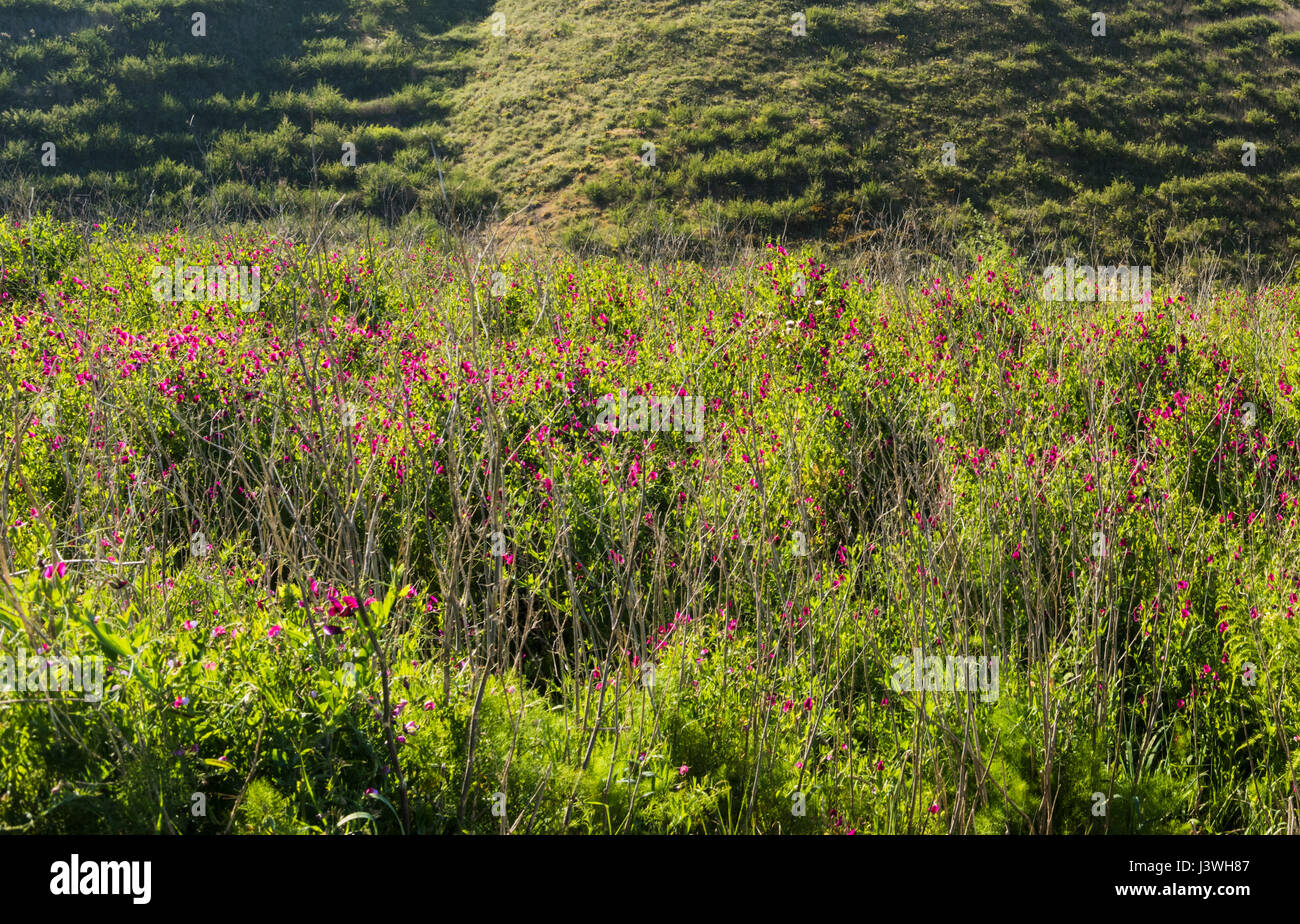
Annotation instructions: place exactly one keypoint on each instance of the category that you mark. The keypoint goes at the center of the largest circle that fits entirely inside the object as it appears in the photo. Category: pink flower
(188, 624)
(218, 631)
(180, 701)
(683, 770)
(273, 631)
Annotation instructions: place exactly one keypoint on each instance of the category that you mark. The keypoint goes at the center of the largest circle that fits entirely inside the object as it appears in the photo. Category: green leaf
(114, 645)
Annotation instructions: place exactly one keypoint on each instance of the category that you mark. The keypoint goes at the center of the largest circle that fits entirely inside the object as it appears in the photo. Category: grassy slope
(1129, 144)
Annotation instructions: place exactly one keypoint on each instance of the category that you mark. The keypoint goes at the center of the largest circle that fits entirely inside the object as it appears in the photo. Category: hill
(1129, 143)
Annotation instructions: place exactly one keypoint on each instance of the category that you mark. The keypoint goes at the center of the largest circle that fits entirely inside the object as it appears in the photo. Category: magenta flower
(273, 631)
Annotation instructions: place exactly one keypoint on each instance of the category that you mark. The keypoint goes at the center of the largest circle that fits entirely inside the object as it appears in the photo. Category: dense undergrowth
(360, 559)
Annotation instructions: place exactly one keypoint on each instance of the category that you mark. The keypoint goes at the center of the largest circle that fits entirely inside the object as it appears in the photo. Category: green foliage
(276, 525)
(1113, 141)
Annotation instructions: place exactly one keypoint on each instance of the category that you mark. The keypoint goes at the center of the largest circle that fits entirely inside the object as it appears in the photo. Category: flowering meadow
(364, 556)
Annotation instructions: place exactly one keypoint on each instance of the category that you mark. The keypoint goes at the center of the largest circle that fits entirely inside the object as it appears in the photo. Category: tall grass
(438, 597)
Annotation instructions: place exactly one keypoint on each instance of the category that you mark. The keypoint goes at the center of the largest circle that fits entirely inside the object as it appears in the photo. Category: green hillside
(1128, 143)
